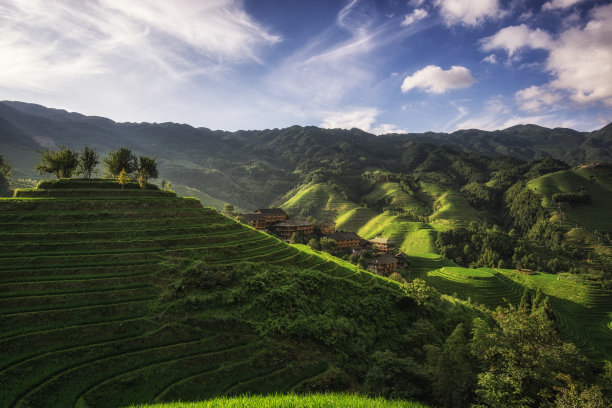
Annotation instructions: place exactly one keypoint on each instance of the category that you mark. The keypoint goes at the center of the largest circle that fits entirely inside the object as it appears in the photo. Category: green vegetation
(594, 181)
(5, 173)
(290, 401)
(582, 310)
(111, 297)
(62, 163)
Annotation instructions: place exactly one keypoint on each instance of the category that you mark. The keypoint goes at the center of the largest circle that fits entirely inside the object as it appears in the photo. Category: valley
(121, 292)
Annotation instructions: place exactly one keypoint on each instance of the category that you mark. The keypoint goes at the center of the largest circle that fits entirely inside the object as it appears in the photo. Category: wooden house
(383, 244)
(346, 240)
(286, 229)
(257, 221)
(383, 265)
(327, 227)
(272, 215)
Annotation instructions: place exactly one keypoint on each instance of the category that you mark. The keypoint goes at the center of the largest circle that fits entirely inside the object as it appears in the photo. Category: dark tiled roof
(253, 217)
(385, 259)
(344, 236)
(328, 222)
(271, 211)
(294, 223)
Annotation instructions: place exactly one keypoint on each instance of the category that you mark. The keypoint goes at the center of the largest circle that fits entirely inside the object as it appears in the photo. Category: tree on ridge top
(61, 163)
(87, 162)
(147, 168)
(119, 160)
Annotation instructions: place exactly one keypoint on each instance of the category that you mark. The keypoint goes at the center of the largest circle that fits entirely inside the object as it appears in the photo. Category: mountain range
(252, 168)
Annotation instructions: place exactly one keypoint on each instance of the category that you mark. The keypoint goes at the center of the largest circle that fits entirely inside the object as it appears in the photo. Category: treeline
(580, 197)
(121, 164)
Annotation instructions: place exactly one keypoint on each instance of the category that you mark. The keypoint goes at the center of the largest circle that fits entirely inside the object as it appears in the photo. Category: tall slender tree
(87, 162)
(147, 168)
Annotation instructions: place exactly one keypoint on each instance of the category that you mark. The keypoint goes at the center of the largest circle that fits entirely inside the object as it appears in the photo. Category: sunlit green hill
(111, 297)
(596, 181)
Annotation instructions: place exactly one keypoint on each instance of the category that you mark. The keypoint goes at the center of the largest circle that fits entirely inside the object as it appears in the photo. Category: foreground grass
(292, 400)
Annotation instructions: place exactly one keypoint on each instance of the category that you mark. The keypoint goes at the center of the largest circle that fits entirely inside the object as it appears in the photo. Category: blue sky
(382, 66)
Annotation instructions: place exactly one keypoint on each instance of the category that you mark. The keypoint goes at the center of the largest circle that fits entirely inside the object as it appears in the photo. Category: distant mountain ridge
(257, 167)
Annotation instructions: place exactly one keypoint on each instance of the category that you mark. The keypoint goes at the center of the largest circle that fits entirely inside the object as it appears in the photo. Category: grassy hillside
(110, 297)
(583, 311)
(412, 237)
(291, 401)
(597, 182)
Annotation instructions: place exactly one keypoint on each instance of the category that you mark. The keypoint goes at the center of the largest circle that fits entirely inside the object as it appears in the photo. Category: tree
(123, 178)
(229, 210)
(392, 376)
(120, 160)
(329, 245)
(87, 162)
(62, 163)
(147, 168)
(313, 243)
(523, 359)
(451, 371)
(5, 172)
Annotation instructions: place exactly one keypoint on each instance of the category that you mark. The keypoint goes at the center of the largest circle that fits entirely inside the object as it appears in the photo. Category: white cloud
(491, 59)
(360, 118)
(513, 38)
(534, 98)
(416, 15)
(469, 12)
(416, 3)
(45, 45)
(581, 59)
(559, 4)
(433, 79)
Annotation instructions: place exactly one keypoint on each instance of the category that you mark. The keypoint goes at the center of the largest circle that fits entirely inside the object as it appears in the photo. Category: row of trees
(65, 162)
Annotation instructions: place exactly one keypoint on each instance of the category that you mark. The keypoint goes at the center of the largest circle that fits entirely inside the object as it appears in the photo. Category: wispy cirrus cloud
(46, 43)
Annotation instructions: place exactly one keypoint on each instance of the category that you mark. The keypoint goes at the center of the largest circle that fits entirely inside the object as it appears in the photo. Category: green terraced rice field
(583, 312)
(597, 182)
(79, 280)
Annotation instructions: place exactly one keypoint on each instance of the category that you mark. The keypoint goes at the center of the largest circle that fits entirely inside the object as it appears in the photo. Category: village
(378, 255)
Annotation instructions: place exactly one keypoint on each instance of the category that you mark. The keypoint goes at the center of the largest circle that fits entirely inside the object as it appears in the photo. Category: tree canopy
(119, 160)
(5, 173)
(62, 163)
(87, 162)
(147, 168)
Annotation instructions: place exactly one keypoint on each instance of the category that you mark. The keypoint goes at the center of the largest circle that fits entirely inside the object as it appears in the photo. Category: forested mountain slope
(256, 168)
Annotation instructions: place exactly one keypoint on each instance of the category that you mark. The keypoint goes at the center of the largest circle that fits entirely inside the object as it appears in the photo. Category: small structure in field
(346, 240)
(327, 227)
(383, 265)
(256, 221)
(272, 215)
(383, 244)
(286, 229)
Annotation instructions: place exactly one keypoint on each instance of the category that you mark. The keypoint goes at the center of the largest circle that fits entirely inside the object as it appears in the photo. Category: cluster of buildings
(276, 220)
